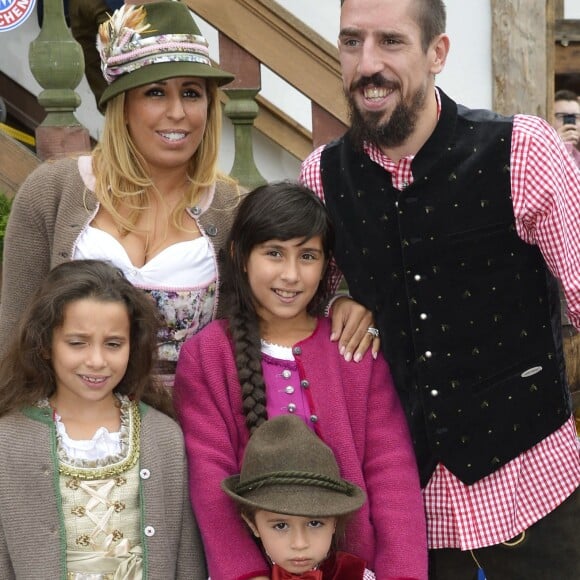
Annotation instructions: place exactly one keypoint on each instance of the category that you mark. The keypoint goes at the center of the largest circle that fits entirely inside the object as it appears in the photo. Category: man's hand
(569, 134)
(350, 327)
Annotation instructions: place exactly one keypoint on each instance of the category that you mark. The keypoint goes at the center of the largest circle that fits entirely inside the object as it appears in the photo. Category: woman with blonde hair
(150, 198)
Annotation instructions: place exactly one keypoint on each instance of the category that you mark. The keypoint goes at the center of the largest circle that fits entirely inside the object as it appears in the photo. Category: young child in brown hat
(293, 499)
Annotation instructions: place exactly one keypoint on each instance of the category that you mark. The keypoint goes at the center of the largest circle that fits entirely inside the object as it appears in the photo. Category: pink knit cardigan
(359, 417)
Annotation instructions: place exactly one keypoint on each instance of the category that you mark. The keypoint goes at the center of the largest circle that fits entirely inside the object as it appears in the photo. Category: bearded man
(452, 225)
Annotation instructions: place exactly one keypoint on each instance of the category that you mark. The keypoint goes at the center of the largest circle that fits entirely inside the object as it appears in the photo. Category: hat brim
(160, 72)
(297, 500)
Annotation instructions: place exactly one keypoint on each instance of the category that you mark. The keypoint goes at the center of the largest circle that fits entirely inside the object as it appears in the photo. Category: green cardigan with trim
(32, 535)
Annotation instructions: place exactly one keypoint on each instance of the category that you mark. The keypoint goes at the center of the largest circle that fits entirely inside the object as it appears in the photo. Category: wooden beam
(325, 127)
(16, 163)
(241, 63)
(568, 58)
(566, 31)
(519, 63)
(552, 8)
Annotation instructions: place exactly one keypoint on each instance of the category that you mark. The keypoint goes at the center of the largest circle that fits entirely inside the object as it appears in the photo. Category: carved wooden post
(57, 63)
(325, 126)
(519, 56)
(242, 108)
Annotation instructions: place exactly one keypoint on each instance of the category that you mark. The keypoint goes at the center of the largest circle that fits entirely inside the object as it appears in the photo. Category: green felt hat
(287, 469)
(142, 44)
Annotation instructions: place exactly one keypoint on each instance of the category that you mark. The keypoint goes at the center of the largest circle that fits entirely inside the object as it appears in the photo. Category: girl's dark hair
(277, 211)
(26, 372)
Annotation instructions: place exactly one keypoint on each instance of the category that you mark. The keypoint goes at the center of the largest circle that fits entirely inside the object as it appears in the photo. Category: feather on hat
(142, 44)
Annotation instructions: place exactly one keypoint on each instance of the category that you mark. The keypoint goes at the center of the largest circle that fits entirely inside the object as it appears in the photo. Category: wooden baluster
(57, 63)
(242, 108)
(325, 126)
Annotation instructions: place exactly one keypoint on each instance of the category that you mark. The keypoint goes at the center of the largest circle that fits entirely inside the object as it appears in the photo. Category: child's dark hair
(281, 211)
(26, 372)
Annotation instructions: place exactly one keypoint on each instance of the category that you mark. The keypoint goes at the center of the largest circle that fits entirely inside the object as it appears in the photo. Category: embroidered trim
(113, 465)
(123, 49)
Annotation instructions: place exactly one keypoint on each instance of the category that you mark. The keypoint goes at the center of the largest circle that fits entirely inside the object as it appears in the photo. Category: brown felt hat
(287, 469)
(147, 43)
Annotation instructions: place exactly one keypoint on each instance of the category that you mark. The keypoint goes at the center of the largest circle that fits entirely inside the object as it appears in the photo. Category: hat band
(295, 478)
(154, 50)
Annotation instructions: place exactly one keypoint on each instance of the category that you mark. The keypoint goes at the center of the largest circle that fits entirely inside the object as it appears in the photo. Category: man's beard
(396, 130)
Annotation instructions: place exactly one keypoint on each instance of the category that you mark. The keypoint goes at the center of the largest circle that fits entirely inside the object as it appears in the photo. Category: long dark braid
(283, 211)
(245, 332)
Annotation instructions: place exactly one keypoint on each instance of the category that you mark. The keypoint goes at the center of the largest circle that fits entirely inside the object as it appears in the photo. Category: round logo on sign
(14, 12)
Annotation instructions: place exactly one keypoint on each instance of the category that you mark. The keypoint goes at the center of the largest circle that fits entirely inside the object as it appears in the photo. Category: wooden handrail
(282, 129)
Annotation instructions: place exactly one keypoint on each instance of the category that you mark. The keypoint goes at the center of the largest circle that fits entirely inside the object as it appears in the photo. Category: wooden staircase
(253, 32)
(16, 162)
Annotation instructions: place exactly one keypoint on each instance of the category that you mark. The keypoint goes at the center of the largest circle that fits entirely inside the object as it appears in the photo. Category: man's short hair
(431, 18)
(565, 95)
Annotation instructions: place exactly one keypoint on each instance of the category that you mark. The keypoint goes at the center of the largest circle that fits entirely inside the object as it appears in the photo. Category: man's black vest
(468, 312)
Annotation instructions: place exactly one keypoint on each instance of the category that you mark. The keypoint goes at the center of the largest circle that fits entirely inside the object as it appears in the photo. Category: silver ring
(374, 331)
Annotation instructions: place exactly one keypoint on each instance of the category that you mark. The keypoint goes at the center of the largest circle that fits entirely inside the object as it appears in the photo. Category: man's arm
(350, 320)
(545, 183)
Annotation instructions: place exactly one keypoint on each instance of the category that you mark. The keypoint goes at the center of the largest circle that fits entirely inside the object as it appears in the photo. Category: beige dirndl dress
(99, 486)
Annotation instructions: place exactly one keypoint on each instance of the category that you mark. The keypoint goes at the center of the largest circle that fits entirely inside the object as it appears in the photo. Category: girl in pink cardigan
(273, 356)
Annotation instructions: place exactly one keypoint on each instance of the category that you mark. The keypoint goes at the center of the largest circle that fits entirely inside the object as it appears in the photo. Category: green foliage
(5, 205)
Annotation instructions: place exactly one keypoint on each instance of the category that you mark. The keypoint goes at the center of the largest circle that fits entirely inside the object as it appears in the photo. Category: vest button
(417, 278)
(289, 389)
(304, 383)
(434, 393)
(297, 350)
(428, 354)
(291, 408)
(423, 316)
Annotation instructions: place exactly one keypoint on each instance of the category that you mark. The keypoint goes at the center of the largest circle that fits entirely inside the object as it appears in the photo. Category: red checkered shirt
(545, 187)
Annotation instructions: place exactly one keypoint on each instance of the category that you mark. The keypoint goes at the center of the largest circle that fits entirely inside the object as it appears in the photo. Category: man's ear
(251, 525)
(440, 50)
